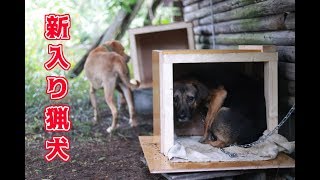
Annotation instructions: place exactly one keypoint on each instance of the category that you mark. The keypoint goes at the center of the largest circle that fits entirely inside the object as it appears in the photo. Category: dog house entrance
(226, 74)
(165, 69)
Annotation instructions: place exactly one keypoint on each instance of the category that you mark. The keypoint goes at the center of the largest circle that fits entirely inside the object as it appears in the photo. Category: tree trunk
(151, 11)
(264, 8)
(115, 31)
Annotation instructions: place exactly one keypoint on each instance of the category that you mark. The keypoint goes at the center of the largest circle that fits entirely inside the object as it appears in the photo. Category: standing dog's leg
(108, 94)
(121, 99)
(217, 98)
(93, 100)
(128, 95)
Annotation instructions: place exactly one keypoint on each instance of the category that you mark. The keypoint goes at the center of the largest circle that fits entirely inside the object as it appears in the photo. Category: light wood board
(158, 163)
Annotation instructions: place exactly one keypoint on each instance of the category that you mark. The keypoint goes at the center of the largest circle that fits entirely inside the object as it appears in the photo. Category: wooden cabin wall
(229, 23)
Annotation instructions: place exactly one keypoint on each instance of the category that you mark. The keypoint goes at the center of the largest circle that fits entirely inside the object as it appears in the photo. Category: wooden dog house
(144, 40)
(157, 146)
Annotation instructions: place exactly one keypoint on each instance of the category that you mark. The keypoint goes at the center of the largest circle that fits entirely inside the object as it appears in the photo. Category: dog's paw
(203, 140)
(110, 129)
(133, 123)
(96, 118)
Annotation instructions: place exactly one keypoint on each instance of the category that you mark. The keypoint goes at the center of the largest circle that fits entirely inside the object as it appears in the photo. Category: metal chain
(263, 138)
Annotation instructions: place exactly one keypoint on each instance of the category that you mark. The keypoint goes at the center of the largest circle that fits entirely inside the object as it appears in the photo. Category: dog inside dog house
(177, 148)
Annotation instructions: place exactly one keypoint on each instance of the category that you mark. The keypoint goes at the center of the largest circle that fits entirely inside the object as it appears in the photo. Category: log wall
(229, 23)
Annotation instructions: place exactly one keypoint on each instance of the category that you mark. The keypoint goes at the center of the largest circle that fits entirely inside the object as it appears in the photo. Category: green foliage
(89, 19)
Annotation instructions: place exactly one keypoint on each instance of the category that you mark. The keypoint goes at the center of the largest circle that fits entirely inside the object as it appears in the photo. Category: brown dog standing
(106, 67)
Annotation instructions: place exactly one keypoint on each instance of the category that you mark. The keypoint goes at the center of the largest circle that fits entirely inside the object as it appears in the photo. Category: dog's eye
(175, 99)
(190, 98)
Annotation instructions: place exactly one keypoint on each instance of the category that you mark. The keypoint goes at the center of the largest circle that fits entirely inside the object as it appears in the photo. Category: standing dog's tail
(132, 84)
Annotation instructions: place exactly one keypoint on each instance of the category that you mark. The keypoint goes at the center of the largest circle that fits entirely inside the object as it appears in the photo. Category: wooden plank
(159, 28)
(262, 48)
(285, 53)
(190, 38)
(271, 93)
(134, 56)
(219, 57)
(162, 114)
(166, 107)
(158, 163)
(207, 51)
(156, 92)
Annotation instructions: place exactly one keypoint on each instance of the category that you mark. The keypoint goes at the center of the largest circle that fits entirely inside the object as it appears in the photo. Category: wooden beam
(220, 57)
(156, 92)
(262, 48)
(218, 8)
(166, 107)
(271, 93)
(264, 8)
(280, 38)
(266, 23)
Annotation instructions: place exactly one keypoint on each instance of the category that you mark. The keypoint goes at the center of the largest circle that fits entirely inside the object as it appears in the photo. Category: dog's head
(117, 47)
(187, 96)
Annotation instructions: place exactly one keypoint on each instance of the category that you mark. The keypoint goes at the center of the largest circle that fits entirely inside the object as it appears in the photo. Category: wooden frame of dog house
(156, 147)
(163, 82)
(145, 39)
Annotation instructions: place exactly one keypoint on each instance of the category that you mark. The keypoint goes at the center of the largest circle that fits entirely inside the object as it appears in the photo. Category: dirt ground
(95, 154)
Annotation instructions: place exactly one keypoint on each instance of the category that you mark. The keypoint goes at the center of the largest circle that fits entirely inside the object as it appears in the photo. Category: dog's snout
(127, 58)
(182, 115)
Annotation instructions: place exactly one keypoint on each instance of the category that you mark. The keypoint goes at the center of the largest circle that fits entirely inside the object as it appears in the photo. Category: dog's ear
(113, 43)
(202, 90)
